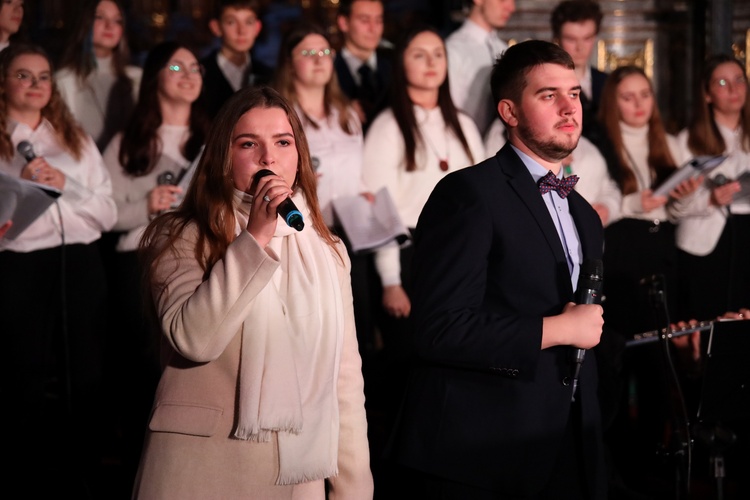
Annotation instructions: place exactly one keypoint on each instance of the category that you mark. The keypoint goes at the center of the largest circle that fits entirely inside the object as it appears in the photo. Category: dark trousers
(53, 310)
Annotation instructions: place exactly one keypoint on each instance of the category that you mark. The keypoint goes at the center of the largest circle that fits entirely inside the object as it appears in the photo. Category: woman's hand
(396, 302)
(38, 170)
(686, 187)
(161, 198)
(650, 202)
(270, 192)
(722, 195)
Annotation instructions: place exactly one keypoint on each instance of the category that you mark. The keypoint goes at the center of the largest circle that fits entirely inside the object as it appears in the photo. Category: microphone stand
(680, 441)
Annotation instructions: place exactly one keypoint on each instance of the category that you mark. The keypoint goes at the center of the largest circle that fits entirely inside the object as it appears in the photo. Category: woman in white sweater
(95, 79)
(409, 147)
(713, 235)
(163, 137)
(641, 244)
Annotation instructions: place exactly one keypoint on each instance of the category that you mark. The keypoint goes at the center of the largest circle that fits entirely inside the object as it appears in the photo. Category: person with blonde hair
(261, 392)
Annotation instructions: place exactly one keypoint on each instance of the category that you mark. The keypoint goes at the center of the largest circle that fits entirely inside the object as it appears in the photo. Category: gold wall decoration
(609, 59)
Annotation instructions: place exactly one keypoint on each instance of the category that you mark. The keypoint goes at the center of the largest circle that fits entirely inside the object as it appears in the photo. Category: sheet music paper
(185, 177)
(23, 202)
(696, 166)
(370, 226)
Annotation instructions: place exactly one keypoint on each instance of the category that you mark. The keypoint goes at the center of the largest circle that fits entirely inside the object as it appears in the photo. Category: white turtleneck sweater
(88, 102)
(635, 141)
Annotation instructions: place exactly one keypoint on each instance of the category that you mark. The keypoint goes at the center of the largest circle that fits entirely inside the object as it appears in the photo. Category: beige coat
(189, 451)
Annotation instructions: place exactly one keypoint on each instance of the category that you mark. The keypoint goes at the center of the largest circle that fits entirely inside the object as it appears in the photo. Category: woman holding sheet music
(713, 235)
(162, 139)
(53, 287)
(305, 77)
(641, 244)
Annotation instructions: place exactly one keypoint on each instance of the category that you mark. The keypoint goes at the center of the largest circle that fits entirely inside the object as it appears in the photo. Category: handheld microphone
(287, 210)
(27, 150)
(166, 179)
(590, 285)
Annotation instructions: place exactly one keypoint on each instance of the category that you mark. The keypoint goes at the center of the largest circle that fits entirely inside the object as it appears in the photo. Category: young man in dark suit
(490, 410)
(363, 67)
(231, 67)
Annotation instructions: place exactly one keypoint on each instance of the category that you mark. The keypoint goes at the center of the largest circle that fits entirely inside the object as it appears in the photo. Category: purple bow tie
(563, 186)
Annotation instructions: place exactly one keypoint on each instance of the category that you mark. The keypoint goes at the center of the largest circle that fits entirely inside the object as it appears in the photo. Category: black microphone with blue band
(287, 210)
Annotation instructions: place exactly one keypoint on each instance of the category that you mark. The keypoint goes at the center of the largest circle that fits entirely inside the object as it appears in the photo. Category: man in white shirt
(363, 65)
(472, 50)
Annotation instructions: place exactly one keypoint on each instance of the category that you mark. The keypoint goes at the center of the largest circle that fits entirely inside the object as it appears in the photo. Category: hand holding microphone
(590, 285)
(286, 209)
(37, 169)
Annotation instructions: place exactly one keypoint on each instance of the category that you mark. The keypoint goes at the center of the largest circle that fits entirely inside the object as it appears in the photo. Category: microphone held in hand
(590, 285)
(287, 209)
(26, 149)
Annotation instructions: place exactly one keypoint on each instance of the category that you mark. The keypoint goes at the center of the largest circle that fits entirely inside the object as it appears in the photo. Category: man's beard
(549, 150)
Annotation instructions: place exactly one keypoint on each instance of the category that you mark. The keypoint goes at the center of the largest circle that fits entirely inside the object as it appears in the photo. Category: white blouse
(86, 207)
(337, 158)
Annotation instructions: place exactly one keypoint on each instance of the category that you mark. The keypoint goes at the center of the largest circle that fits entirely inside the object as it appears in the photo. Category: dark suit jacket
(216, 87)
(371, 105)
(485, 405)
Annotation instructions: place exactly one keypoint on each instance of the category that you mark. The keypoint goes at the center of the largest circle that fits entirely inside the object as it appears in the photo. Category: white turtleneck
(635, 141)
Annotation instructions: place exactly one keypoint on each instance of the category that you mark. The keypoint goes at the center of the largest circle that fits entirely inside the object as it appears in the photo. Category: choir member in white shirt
(163, 137)
(472, 50)
(305, 76)
(713, 235)
(95, 78)
(408, 149)
(53, 287)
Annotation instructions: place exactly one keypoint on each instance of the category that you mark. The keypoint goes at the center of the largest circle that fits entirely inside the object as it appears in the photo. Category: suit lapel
(522, 183)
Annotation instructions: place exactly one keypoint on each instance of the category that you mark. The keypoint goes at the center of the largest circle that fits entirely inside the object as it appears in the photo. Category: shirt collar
(536, 170)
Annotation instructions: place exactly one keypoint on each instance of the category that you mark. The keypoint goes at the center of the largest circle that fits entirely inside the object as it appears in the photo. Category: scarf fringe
(261, 435)
(297, 478)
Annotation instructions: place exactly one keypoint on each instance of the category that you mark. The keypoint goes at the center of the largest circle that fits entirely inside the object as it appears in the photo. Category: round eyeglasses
(26, 79)
(319, 53)
(180, 69)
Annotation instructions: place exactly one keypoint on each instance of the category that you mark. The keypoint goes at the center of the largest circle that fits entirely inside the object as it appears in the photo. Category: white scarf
(291, 351)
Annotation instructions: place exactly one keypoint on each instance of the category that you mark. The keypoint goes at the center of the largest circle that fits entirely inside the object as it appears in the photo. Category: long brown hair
(69, 133)
(208, 202)
(660, 161)
(403, 107)
(704, 137)
(141, 145)
(284, 79)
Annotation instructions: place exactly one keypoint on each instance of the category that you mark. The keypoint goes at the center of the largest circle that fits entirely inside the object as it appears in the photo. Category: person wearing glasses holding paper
(53, 287)
(713, 236)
